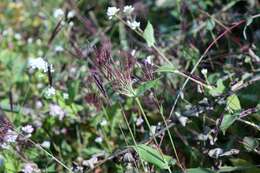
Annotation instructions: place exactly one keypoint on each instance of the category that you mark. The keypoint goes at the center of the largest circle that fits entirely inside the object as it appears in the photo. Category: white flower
(71, 14)
(99, 139)
(133, 24)
(46, 144)
(40, 64)
(17, 36)
(103, 122)
(148, 60)
(58, 48)
(50, 91)
(91, 162)
(183, 120)
(128, 9)
(204, 71)
(30, 168)
(28, 129)
(58, 13)
(65, 96)
(10, 136)
(38, 104)
(139, 121)
(111, 11)
(56, 111)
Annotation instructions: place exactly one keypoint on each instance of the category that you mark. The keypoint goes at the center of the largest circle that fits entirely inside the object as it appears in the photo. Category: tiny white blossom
(10, 136)
(17, 36)
(99, 139)
(91, 162)
(58, 13)
(133, 24)
(31, 168)
(38, 104)
(103, 122)
(71, 24)
(58, 48)
(65, 96)
(46, 144)
(148, 60)
(204, 71)
(111, 11)
(128, 9)
(71, 14)
(56, 111)
(50, 91)
(139, 121)
(183, 120)
(40, 64)
(28, 129)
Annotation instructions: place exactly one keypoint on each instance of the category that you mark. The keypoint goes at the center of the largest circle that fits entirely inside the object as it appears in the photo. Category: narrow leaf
(154, 157)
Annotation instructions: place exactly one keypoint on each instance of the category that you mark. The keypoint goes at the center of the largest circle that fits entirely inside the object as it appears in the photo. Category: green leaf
(145, 87)
(167, 68)
(250, 143)
(227, 121)
(233, 103)
(154, 157)
(199, 170)
(148, 34)
(216, 91)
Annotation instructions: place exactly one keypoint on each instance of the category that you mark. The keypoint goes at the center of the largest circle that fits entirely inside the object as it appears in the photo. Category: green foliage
(149, 35)
(153, 156)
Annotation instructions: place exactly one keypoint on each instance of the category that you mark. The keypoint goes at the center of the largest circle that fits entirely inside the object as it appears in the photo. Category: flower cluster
(127, 10)
(40, 64)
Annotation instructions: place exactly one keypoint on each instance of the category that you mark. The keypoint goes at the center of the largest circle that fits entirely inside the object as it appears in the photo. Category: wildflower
(58, 13)
(204, 72)
(58, 48)
(128, 9)
(133, 24)
(46, 144)
(56, 111)
(71, 14)
(28, 129)
(182, 119)
(39, 64)
(99, 139)
(10, 136)
(50, 91)
(111, 11)
(91, 162)
(103, 122)
(148, 60)
(30, 168)
(17, 36)
(65, 96)
(38, 104)
(139, 121)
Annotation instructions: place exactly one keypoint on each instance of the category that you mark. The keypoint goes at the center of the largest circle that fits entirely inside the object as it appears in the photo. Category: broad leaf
(216, 91)
(154, 157)
(148, 35)
(233, 103)
(227, 121)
